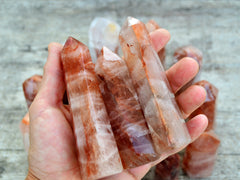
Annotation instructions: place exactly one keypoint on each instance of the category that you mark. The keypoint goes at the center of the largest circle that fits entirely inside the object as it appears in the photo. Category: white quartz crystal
(103, 32)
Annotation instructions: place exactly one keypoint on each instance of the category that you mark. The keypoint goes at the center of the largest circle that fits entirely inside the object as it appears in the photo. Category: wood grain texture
(27, 27)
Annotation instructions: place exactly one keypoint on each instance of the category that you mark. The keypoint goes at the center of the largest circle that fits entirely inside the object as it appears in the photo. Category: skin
(52, 152)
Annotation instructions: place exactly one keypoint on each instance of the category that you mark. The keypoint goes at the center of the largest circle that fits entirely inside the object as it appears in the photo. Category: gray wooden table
(27, 27)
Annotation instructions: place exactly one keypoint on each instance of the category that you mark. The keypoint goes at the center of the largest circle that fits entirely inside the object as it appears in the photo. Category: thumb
(52, 86)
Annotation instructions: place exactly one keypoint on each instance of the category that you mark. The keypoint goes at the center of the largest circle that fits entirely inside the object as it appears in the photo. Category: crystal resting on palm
(128, 123)
(165, 122)
(98, 155)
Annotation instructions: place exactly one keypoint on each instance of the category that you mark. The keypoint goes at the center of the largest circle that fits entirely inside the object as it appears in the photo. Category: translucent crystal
(128, 123)
(200, 156)
(97, 150)
(167, 127)
(168, 169)
(103, 32)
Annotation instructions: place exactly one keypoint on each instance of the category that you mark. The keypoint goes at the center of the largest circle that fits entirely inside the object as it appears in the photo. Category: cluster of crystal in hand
(127, 115)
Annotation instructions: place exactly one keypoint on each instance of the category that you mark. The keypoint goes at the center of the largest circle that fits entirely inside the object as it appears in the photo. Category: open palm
(52, 152)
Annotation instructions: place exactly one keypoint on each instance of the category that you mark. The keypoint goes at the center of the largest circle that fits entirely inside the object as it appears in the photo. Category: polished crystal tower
(129, 126)
(98, 154)
(200, 156)
(165, 122)
(151, 26)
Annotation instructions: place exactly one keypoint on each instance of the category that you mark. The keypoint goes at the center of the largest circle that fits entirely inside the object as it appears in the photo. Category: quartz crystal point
(97, 150)
(24, 128)
(128, 123)
(103, 32)
(168, 169)
(151, 26)
(193, 52)
(30, 88)
(209, 106)
(200, 156)
(167, 127)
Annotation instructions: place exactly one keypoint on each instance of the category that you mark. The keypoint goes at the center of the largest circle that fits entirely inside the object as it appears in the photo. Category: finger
(140, 172)
(191, 99)
(131, 174)
(159, 38)
(196, 126)
(52, 87)
(182, 72)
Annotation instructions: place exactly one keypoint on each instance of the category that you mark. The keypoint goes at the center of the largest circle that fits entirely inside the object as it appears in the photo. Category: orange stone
(168, 169)
(200, 156)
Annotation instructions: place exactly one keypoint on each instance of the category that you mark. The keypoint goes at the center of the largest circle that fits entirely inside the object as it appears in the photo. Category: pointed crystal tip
(132, 21)
(109, 55)
(72, 44)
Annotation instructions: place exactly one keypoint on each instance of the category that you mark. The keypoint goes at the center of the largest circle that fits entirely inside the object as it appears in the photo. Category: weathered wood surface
(27, 27)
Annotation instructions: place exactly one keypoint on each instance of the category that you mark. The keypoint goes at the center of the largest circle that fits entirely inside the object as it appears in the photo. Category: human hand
(52, 152)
